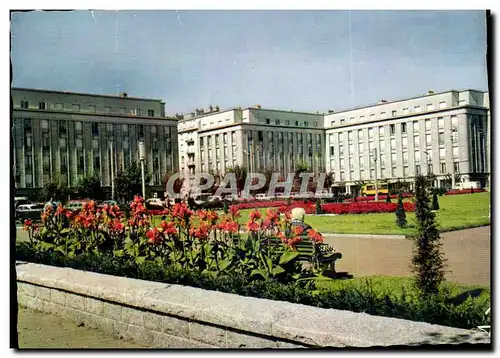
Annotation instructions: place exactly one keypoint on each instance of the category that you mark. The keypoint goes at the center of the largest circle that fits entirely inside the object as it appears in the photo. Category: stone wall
(172, 316)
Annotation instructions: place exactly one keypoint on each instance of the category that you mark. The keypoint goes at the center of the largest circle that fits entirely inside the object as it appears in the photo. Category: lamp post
(142, 157)
(112, 162)
(376, 169)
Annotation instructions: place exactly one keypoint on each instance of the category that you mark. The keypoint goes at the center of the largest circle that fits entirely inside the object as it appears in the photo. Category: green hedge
(362, 298)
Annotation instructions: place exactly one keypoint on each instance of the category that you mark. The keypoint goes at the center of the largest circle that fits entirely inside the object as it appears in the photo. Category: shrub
(364, 207)
(388, 199)
(427, 260)
(464, 191)
(318, 207)
(400, 213)
(357, 296)
(435, 202)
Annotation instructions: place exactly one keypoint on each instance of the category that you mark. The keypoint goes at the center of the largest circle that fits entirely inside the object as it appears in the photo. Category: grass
(456, 212)
(397, 285)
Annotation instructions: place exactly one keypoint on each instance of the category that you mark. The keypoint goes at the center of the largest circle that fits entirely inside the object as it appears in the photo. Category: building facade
(440, 133)
(259, 139)
(67, 135)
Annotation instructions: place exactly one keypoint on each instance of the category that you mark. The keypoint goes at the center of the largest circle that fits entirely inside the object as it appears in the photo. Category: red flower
(202, 232)
(168, 228)
(153, 236)
(272, 215)
(181, 211)
(27, 224)
(255, 214)
(234, 211)
(314, 236)
(230, 227)
(252, 226)
(298, 230)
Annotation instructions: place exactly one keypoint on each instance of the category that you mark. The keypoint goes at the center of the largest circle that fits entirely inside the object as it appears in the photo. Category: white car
(213, 198)
(155, 202)
(262, 197)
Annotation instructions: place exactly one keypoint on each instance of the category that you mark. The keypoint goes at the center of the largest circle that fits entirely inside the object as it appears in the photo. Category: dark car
(29, 212)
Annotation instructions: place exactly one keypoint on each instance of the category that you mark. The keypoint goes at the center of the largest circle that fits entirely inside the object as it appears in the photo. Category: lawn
(456, 212)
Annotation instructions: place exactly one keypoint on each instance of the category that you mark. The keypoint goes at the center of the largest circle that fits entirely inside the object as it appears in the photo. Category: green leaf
(224, 264)
(277, 270)
(65, 231)
(140, 259)
(288, 256)
(118, 253)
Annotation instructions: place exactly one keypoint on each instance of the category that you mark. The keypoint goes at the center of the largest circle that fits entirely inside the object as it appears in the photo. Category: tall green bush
(435, 202)
(427, 261)
(400, 213)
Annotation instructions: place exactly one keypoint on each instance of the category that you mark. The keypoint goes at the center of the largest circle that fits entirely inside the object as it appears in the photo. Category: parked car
(262, 197)
(231, 197)
(155, 204)
(75, 205)
(213, 198)
(29, 211)
(109, 202)
(21, 200)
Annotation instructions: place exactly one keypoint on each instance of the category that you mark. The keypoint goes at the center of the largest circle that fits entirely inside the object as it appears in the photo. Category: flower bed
(260, 204)
(380, 197)
(364, 207)
(464, 191)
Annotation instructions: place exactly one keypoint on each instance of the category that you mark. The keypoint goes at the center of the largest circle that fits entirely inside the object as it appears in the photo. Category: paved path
(467, 252)
(41, 330)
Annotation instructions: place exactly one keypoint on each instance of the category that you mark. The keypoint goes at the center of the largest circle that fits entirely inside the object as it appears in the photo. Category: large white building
(440, 133)
(213, 140)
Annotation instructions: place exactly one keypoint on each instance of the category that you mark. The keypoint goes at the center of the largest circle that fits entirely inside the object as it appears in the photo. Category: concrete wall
(172, 316)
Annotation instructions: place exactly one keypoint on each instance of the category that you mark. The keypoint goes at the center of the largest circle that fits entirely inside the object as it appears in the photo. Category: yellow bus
(369, 189)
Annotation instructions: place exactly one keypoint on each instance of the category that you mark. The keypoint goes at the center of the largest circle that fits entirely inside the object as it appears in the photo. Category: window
(64, 162)
(455, 152)
(297, 123)
(416, 141)
(372, 117)
(443, 168)
(332, 123)
(97, 163)
(351, 149)
(277, 122)
(261, 136)
(349, 136)
(418, 109)
(342, 121)
(430, 107)
(62, 128)
(427, 124)
(392, 129)
(456, 167)
(372, 173)
(440, 122)
(361, 163)
(429, 168)
(95, 129)
(287, 122)
(403, 127)
(370, 132)
(41, 105)
(382, 146)
(141, 130)
(360, 135)
(78, 126)
(151, 112)
(454, 121)
(95, 143)
(44, 124)
(442, 104)
(406, 111)
(342, 163)
(341, 150)
(454, 135)
(78, 142)
(405, 157)
(393, 158)
(361, 118)
(92, 108)
(138, 111)
(417, 169)
(107, 109)
(306, 124)
(268, 121)
(394, 113)
(125, 144)
(383, 115)
(441, 153)
(405, 142)
(361, 148)
(415, 126)
(428, 140)
(24, 104)
(417, 157)
(405, 171)
(76, 108)
(332, 150)
(441, 138)
(153, 129)
(381, 131)
(393, 144)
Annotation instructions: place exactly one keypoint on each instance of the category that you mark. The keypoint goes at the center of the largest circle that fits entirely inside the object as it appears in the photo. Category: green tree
(388, 198)
(329, 180)
(435, 202)
(400, 212)
(56, 190)
(240, 172)
(89, 187)
(128, 182)
(427, 261)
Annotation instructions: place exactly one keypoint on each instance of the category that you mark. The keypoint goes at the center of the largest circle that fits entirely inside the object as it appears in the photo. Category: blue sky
(300, 60)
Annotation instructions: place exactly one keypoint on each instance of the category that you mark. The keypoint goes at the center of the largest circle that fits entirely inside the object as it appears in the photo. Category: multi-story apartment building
(441, 133)
(213, 140)
(67, 135)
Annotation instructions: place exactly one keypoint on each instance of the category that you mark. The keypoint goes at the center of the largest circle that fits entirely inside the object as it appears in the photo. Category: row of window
(394, 113)
(384, 173)
(286, 122)
(91, 108)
